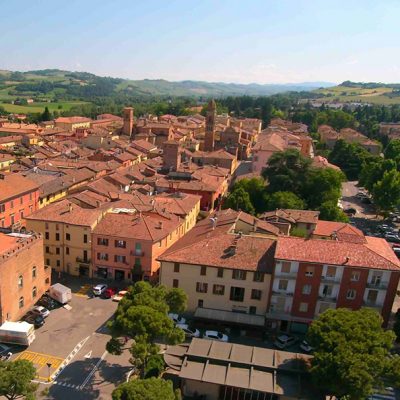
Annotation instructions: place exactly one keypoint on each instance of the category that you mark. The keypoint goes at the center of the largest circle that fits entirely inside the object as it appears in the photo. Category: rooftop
(13, 185)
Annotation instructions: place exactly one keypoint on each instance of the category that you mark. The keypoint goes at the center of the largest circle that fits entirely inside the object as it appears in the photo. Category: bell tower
(210, 126)
(128, 121)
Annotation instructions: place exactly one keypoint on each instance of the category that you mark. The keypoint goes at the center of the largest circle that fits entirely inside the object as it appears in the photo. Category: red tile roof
(375, 253)
(14, 185)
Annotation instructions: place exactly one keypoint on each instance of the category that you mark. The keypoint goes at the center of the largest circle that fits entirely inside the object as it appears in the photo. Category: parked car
(42, 311)
(34, 319)
(120, 295)
(215, 335)
(99, 289)
(177, 318)
(392, 237)
(284, 341)
(188, 331)
(366, 200)
(48, 302)
(109, 292)
(305, 347)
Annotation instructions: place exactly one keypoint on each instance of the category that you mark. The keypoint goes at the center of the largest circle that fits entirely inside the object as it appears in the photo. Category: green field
(357, 94)
(39, 107)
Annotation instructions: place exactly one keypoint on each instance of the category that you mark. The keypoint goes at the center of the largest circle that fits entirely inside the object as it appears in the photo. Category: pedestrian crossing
(83, 291)
(67, 385)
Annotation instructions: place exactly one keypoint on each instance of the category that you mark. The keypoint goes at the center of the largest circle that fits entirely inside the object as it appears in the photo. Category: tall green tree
(239, 199)
(392, 150)
(386, 192)
(352, 353)
(146, 389)
(16, 380)
(46, 115)
(373, 171)
(329, 211)
(285, 200)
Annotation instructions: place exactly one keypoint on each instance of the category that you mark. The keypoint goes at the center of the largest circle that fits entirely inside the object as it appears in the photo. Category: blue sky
(264, 41)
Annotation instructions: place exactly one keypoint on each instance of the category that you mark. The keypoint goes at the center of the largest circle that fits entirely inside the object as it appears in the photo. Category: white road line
(85, 382)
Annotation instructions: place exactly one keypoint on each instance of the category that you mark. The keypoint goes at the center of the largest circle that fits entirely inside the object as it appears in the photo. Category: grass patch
(39, 107)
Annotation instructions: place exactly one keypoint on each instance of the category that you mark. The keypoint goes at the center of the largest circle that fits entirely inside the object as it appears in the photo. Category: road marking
(40, 362)
(92, 372)
(88, 355)
(83, 291)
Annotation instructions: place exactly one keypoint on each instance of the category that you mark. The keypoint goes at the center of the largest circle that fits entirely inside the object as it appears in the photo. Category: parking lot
(69, 349)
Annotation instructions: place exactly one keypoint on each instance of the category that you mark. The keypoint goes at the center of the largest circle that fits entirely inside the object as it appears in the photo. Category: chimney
(70, 207)
(160, 225)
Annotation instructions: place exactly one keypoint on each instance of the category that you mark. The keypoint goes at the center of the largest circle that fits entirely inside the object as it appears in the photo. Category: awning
(229, 316)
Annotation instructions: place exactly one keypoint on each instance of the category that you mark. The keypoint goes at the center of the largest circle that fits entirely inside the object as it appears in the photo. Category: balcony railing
(289, 275)
(282, 293)
(330, 279)
(83, 260)
(328, 298)
(380, 285)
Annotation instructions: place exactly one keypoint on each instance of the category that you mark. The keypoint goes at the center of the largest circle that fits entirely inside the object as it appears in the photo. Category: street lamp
(49, 366)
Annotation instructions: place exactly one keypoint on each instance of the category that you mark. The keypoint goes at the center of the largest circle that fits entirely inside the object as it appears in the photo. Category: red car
(109, 292)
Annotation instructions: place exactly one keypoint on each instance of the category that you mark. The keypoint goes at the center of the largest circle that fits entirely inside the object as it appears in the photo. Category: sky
(242, 41)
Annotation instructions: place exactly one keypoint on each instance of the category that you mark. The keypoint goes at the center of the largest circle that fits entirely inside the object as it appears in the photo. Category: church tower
(210, 126)
(128, 121)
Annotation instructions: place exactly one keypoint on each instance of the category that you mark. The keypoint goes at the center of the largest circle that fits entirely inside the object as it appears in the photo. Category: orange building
(23, 276)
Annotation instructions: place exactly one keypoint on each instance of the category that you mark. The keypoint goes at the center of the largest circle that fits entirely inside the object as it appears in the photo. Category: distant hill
(54, 84)
(370, 92)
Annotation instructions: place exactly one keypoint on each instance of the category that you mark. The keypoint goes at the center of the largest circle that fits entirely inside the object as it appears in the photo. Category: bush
(154, 367)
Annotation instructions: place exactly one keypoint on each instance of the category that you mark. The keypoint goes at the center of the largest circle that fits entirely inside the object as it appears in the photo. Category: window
(85, 238)
(200, 303)
(57, 227)
(67, 236)
(201, 287)
(30, 196)
(327, 290)
(102, 242)
(21, 200)
(47, 281)
(120, 243)
(351, 294)
(138, 262)
(47, 235)
(34, 292)
(309, 271)
(21, 214)
(47, 249)
(34, 271)
(12, 217)
(330, 272)
(258, 276)
(20, 281)
(219, 289)
(85, 255)
(12, 204)
(67, 251)
(252, 310)
(237, 293)
(47, 261)
(175, 283)
(58, 263)
(239, 274)
(58, 237)
(372, 296)
(285, 267)
(256, 294)
(2, 223)
(2, 208)
(355, 276)
(102, 256)
(203, 270)
(283, 284)
(306, 289)
(220, 273)
(120, 259)
(176, 267)
(57, 250)
(21, 302)
(138, 249)
(303, 307)
(376, 279)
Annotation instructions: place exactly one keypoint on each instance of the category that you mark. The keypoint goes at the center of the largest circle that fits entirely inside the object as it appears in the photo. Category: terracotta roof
(13, 185)
(72, 120)
(327, 228)
(322, 162)
(142, 226)
(67, 212)
(302, 216)
(375, 253)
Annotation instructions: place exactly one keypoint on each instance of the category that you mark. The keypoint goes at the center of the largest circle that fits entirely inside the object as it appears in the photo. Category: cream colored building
(224, 265)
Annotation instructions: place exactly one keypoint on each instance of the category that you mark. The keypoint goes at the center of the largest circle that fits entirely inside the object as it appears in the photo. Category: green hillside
(374, 93)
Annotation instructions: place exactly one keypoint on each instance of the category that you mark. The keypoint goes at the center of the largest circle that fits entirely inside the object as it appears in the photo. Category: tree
(352, 353)
(16, 379)
(146, 389)
(239, 199)
(285, 200)
(392, 150)
(329, 211)
(386, 192)
(46, 115)
(285, 171)
(143, 316)
(373, 171)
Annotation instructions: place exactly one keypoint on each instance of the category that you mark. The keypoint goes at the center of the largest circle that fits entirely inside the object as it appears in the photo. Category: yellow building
(5, 162)
(72, 123)
(225, 272)
(66, 229)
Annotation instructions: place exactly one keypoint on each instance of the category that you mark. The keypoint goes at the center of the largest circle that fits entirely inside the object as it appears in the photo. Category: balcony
(282, 293)
(83, 260)
(290, 275)
(330, 299)
(330, 279)
(377, 285)
(137, 253)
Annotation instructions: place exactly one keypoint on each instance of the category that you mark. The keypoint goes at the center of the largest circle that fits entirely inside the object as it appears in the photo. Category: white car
(99, 289)
(119, 296)
(42, 311)
(283, 341)
(306, 347)
(189, 332)
(215, 335)
(177, 318)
